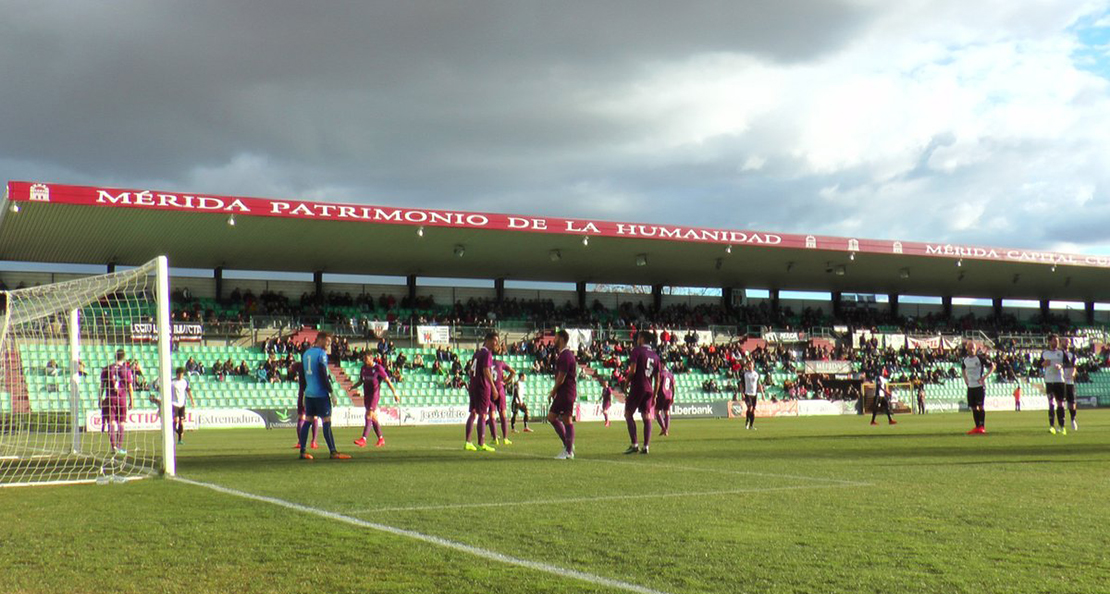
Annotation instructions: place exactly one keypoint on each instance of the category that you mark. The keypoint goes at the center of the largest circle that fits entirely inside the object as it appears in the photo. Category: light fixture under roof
(904, 273)
(728, 249)
(641, 259)
(14, 207)
(460, 250)
(959, 262)
(852, 256)
(231, 220)
(555, 255)
(586, 241)
(420, 231)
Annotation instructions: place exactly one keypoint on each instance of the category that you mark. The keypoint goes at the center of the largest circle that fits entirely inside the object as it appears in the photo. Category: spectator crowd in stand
(721, 363)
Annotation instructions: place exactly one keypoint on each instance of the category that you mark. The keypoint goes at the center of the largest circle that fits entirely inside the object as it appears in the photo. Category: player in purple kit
(643, 376)
(606, 400)
(481, 389)
(371, 377)
(664, 400)
(297, 370)
(503, 375)
(117, 390)
(563, 394)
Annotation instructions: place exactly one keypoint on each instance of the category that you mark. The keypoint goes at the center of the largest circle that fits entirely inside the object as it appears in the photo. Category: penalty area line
(555, 570)
(593, 499)
(679, 467)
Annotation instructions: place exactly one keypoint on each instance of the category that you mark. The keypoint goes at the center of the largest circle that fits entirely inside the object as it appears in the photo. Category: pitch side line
(435, 540)
(842, 482)
(593, 499)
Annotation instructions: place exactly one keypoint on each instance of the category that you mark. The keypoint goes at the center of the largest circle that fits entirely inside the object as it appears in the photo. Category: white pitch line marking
(592, 499)
(435, 540)
(843, 482)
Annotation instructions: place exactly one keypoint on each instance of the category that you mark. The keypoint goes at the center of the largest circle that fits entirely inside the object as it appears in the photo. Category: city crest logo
(40, 193)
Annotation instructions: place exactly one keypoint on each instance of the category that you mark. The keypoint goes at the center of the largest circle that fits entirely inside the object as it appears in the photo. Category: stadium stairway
(341, 377)
(822, 343)
(752, 344)
(590, 373)
(344, 382)
(305, 333)
(17, 386)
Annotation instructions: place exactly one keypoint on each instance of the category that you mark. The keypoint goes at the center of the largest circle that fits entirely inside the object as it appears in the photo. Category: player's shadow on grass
(849, 436)
(395, 458)
(996, 462)
(1088, 451)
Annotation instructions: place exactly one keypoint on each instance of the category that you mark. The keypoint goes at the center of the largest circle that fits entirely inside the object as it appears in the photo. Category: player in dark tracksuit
(882, 400)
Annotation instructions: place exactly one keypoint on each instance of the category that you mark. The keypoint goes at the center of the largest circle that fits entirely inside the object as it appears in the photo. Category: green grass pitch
(807, 505)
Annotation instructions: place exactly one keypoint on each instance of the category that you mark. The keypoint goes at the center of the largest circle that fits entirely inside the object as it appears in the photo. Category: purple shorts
(662, 403)
(116, 411)
(562, 405)
(498, 401)
(371, 401)
(639, 402)
(480, 402)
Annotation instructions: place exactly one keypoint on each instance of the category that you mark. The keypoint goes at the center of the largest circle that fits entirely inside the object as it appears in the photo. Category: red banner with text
(103, 197)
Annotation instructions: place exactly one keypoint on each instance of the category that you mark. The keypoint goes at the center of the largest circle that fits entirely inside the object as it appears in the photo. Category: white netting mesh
(53, 401)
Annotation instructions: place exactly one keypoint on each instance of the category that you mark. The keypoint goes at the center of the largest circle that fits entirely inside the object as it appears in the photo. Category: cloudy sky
(945, 120)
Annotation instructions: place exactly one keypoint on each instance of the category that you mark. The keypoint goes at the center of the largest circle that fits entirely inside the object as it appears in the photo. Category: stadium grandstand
(816, 314)
(711, 297)
(240, 288)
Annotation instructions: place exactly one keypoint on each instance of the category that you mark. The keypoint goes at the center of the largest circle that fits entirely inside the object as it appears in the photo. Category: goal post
(81, 366)
(902, 397)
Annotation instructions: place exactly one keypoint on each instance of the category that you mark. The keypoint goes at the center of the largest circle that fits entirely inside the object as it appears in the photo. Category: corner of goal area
(698, 482)
(490, 555)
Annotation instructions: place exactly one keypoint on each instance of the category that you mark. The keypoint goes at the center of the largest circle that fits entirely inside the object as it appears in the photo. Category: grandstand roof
(99, 225)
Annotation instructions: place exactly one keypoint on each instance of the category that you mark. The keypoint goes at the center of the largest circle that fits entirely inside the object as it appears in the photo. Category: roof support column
(580, 288)
(726, 298)
(1090, 307)
(318, 281)
(412, 290)
(836, 304)
(1044, 308)
(774, 295)
(218, 275)
(111, 267)
(499, 288)
(998, 307)
(946, 303)
(892, 299)
(657, 297)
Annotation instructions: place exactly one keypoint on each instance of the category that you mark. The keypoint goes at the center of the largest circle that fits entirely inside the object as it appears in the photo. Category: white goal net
(80, 366)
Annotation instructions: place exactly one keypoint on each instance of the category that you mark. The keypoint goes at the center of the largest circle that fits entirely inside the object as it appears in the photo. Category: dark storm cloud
(365, 91)
(531, 107)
